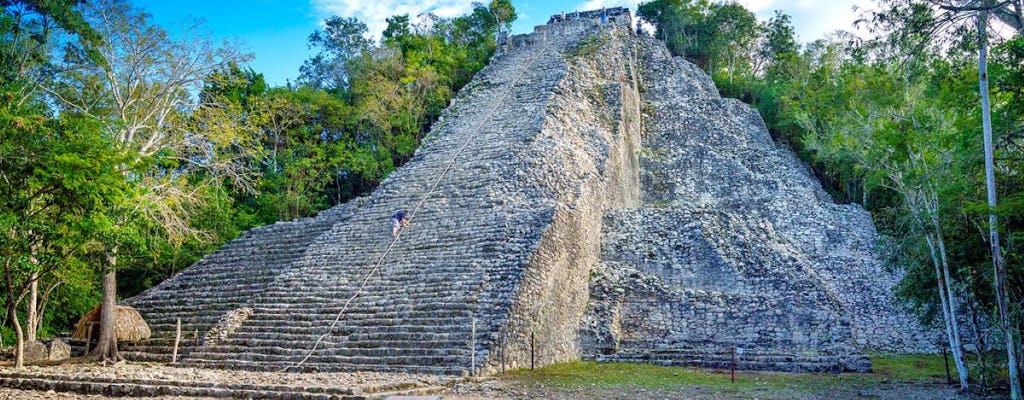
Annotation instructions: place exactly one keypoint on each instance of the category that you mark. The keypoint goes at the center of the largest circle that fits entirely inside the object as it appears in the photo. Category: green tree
(735, 35)
(779, 49)
(57, 177)
(143, 98)
(48, 195)
(949, 19)
(358, 131)
(341, 40)
(683, 25)
(504, 13)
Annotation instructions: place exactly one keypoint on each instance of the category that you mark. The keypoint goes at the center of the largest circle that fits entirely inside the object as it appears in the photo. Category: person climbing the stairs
(399, 220)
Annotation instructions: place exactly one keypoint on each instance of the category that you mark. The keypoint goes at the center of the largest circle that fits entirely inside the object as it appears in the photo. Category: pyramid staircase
(331, 293)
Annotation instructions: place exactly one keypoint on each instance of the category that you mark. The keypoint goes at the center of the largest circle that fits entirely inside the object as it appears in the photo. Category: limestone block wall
(731, 163)
(735, 245)
(587, 151)
(711, 283)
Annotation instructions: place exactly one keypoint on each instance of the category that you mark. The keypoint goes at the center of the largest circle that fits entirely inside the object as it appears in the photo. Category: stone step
(421, 297)
(301, 341)
(285, 346)
(147, 354)
(349, 325)
(374, 306)
(150, 388)
(371, 362)
(285, 350)
(364, 323)
(329, 366)
(439, 335)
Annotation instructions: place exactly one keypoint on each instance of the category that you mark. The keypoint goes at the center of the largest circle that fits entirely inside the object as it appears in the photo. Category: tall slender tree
(998, 264)
(144, 96)
(41, 169)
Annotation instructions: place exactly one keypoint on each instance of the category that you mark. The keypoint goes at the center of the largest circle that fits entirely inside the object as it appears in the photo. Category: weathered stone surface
(35, 351)
(736, 246)
(148, 380)
(557, 200)
(58, 350)
(226, 326)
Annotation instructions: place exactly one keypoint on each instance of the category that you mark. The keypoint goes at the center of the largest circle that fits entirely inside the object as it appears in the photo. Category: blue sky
(275, 31)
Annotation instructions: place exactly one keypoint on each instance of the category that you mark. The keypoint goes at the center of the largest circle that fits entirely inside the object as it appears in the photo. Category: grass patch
(911, 367)
(588, 46)
(583, 374)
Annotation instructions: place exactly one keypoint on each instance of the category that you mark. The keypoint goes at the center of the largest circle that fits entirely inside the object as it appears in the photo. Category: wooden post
(501, 351)
(472, 349)
(177, 338)
(532, 349)
(88, 336)
(949, 378)
(732, 366)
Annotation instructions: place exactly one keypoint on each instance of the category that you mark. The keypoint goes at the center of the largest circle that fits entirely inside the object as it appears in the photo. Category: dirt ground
(914, 378)
(514, 389)
(15, 394)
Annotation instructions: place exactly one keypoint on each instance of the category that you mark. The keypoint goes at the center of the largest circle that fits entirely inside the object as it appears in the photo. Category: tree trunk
(106, 345)
(33, 295)
(30, 307)
(950, 320)
(19, 344)
(42, 304)
(998, 265)
(949, 287)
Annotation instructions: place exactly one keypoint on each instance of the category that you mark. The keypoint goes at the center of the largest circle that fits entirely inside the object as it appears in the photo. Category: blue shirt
(400, 215)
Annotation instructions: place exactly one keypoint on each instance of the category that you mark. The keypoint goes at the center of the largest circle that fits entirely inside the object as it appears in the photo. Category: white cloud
(757, 6)
(813, 19)
(374, 12)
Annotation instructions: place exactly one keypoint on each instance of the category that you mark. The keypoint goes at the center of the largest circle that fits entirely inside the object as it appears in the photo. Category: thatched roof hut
(128, 325)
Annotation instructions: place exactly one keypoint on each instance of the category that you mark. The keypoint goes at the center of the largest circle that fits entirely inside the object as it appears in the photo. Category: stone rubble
(35, 351)
(58, 350)
(151, 380)
(227, 325)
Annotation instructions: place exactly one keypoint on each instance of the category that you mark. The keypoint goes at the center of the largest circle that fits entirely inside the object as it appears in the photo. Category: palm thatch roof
(128, 325)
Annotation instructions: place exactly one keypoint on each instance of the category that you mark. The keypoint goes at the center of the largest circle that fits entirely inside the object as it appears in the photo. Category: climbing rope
(419, 204)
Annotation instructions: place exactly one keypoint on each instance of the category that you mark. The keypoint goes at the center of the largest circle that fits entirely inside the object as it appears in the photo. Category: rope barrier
(419, 204)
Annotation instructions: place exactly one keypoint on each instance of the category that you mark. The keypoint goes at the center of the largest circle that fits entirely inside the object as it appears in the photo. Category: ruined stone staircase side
(790, 276)
(677, 280)
(731, 163)
(225, 280)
